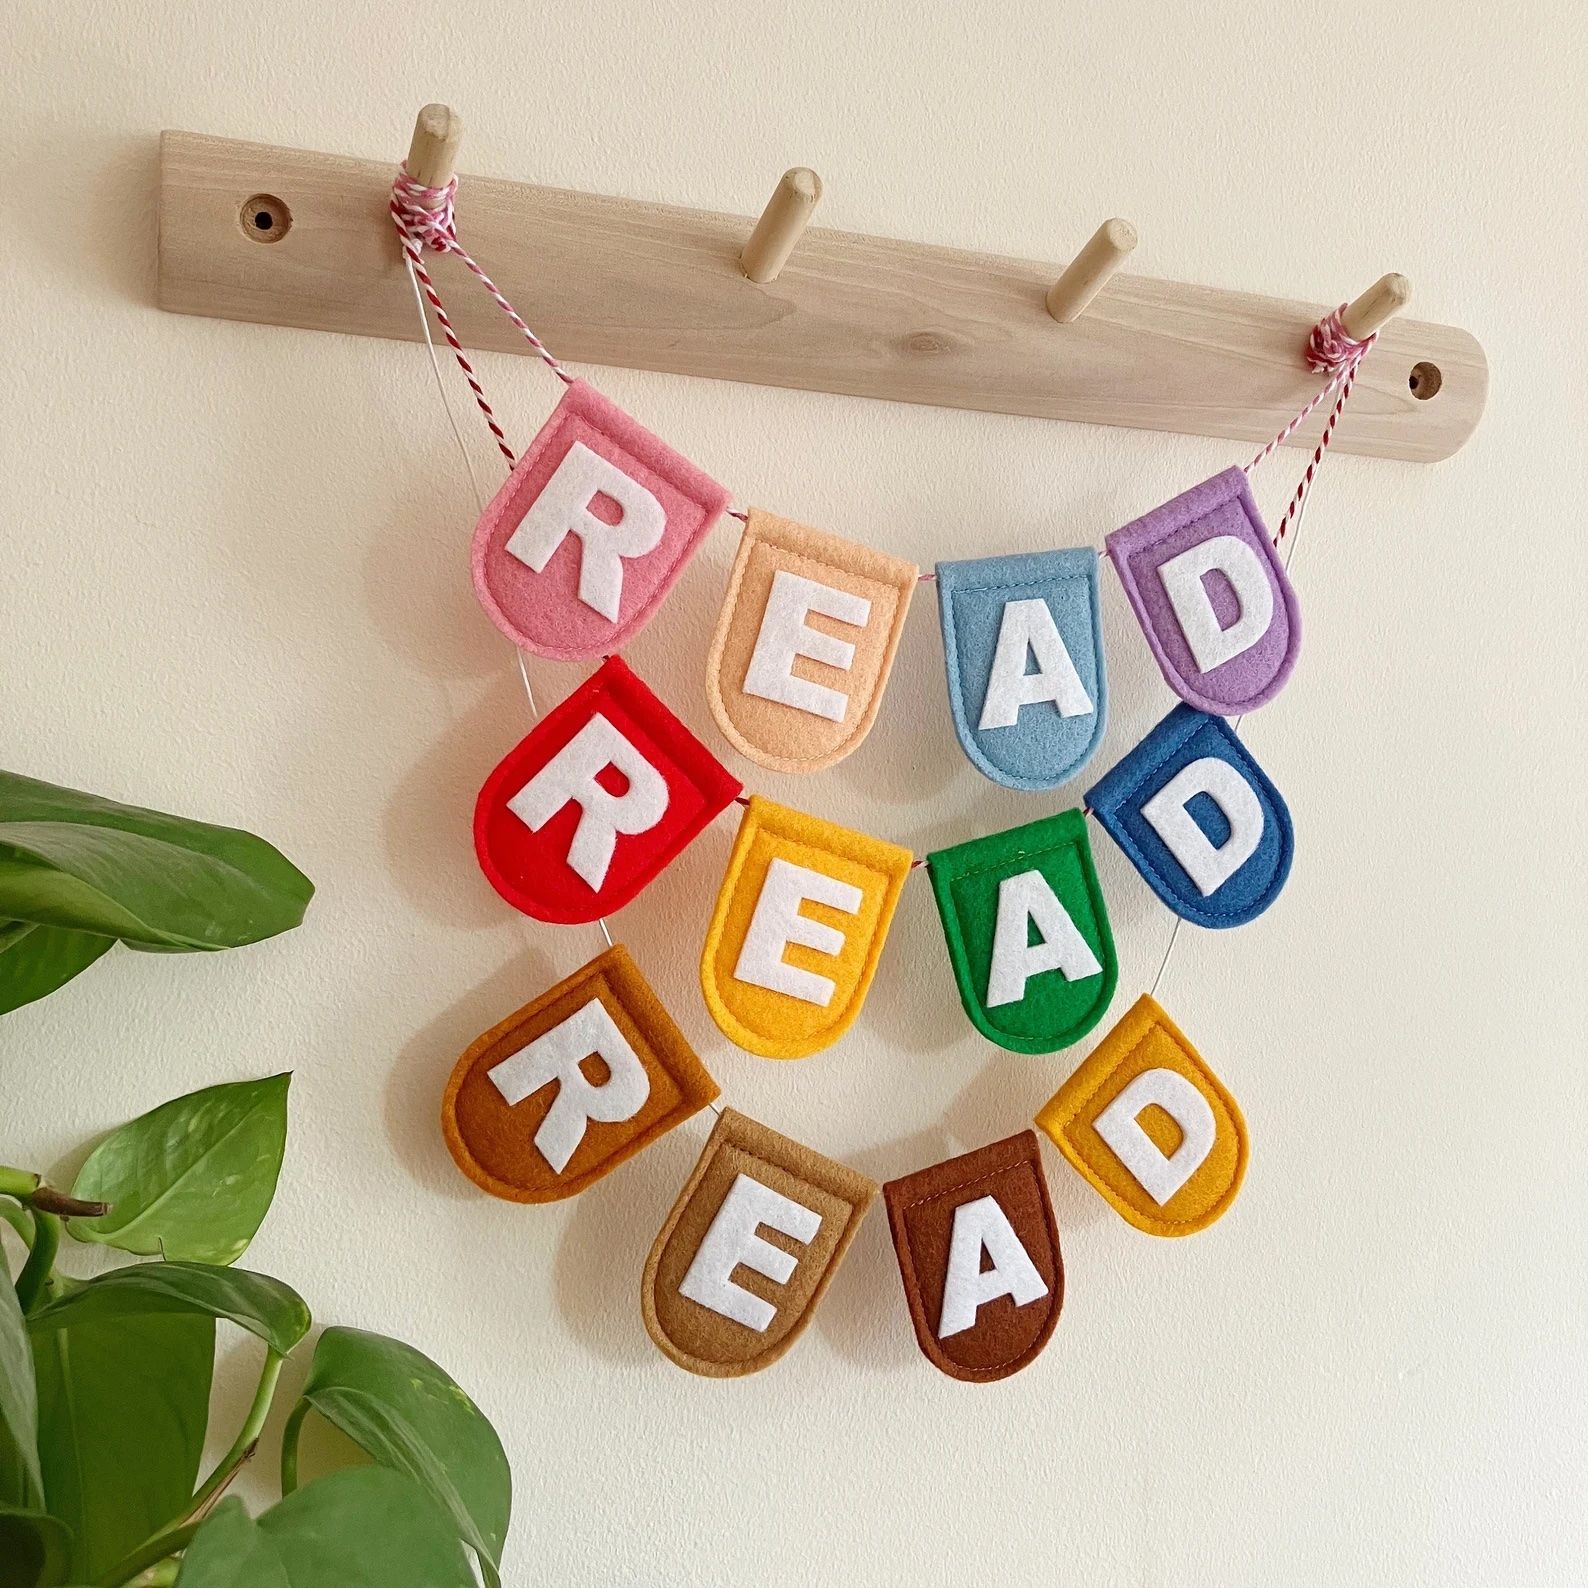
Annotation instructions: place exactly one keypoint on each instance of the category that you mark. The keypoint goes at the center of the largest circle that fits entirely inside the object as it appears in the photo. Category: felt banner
(1023, 647)
(805, 642)
(602, 794)
(749, 1249)
(978, 1251)
(593, 527)
(523, 1115)
(1028, 933)
(798, 929)
(1199, 819)
(1212, 596)
(1151, 1127)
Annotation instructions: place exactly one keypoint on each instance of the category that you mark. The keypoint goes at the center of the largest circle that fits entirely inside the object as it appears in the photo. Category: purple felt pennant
(1211, 595)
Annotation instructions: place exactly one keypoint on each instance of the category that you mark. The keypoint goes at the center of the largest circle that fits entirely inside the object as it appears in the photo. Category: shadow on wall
(418, 1075)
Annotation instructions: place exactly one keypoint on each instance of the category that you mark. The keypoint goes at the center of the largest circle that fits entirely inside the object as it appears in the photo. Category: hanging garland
(573, 556)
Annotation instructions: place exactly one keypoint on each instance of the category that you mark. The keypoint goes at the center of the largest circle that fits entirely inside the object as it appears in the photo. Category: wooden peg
(1376, 307)
(785, 217)
(1090, 269)
(433, 153)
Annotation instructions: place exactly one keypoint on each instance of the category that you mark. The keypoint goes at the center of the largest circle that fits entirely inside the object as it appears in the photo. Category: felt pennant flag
(1150, 1126)
(749, 1249)
(798, 929)
(1212, 596)
(803, 648)
(1199, 819)
(595, 523)
(1028, 933)
(600, 796)
(525, 1117)
(978, 1251)
(1024, 652)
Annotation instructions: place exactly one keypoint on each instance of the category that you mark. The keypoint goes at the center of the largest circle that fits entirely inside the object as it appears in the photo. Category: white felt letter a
(563, 509)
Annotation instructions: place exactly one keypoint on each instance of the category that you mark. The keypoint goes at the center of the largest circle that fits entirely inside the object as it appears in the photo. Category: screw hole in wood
(265, 218)
(1425, 380)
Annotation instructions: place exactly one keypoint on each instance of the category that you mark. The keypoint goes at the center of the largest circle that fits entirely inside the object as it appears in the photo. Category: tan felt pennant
(1151, 1126)
(978, 1251)
(585, 1076)
(805, 642)
(749, 1249)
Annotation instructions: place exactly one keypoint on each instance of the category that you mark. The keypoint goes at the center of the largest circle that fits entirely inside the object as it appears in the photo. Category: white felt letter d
(1211, 644)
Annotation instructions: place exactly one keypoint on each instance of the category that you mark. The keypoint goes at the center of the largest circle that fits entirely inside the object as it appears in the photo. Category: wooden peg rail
(283, 237)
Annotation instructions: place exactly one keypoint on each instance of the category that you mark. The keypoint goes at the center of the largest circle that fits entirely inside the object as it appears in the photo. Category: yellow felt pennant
(1151, 1126)
(798, 930)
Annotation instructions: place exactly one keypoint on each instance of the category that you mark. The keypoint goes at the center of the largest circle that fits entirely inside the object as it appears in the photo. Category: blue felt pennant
(1023, 647)
(1199, 819)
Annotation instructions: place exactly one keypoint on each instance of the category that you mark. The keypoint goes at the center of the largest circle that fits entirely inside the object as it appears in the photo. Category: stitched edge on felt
(613, 677)
(916, 1300)
(1240, 494)
(1154, 1224)
(962, 729)
(726, 1133)
(496, 509)
(900, 592)
(960, 959)
(727, 1022)
(1197, 914)
(607, 975)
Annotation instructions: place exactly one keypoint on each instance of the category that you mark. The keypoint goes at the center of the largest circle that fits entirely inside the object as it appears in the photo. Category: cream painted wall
(236, 587)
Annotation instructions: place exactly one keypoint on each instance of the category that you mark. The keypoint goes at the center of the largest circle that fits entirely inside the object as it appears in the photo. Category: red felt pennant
(596, 801)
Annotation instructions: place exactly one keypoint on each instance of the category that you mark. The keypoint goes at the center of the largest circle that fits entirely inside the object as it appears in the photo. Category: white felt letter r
(563, 509)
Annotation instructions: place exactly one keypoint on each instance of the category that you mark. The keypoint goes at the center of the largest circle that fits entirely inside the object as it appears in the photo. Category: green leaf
(192, 1179)
(264, 1306)
(398, 1406)
(364, 1528)
(123, 1407)
(20, 1482)
(75, 860)
(35, 1549)
(35, 960)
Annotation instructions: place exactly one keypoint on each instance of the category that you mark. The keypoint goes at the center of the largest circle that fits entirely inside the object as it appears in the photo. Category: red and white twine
(1331, 351)
(424, 219)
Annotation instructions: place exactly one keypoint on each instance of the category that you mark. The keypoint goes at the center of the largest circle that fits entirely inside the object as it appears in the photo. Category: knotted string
(1331, 351)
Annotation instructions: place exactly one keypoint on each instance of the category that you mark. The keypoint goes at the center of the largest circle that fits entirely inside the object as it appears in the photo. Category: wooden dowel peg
(1376, 307)
(433, 152)
(785, 217)
(1090, 269)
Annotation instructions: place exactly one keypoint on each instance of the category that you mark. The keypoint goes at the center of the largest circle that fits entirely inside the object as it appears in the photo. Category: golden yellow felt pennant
(1151, 1126)
(805, 643)
(798, 930)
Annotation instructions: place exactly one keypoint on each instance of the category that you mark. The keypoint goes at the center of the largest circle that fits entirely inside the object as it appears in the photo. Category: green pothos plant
(105, 1387)
(105, 1381)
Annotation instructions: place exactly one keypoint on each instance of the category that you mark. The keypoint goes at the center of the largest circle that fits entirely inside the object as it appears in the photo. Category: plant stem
(149, 1553)
(41, 1260)
(289, 1448)
(17, 1183)
(247, 1438)
(169, 1541)
(53, 1201)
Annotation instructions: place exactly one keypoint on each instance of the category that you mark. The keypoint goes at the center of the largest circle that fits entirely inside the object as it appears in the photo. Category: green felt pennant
(1032, 1009)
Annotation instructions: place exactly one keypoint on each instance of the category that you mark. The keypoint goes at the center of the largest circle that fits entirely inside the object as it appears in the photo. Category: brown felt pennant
(978, 1251)
(749, 1249)
(568, 1087)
